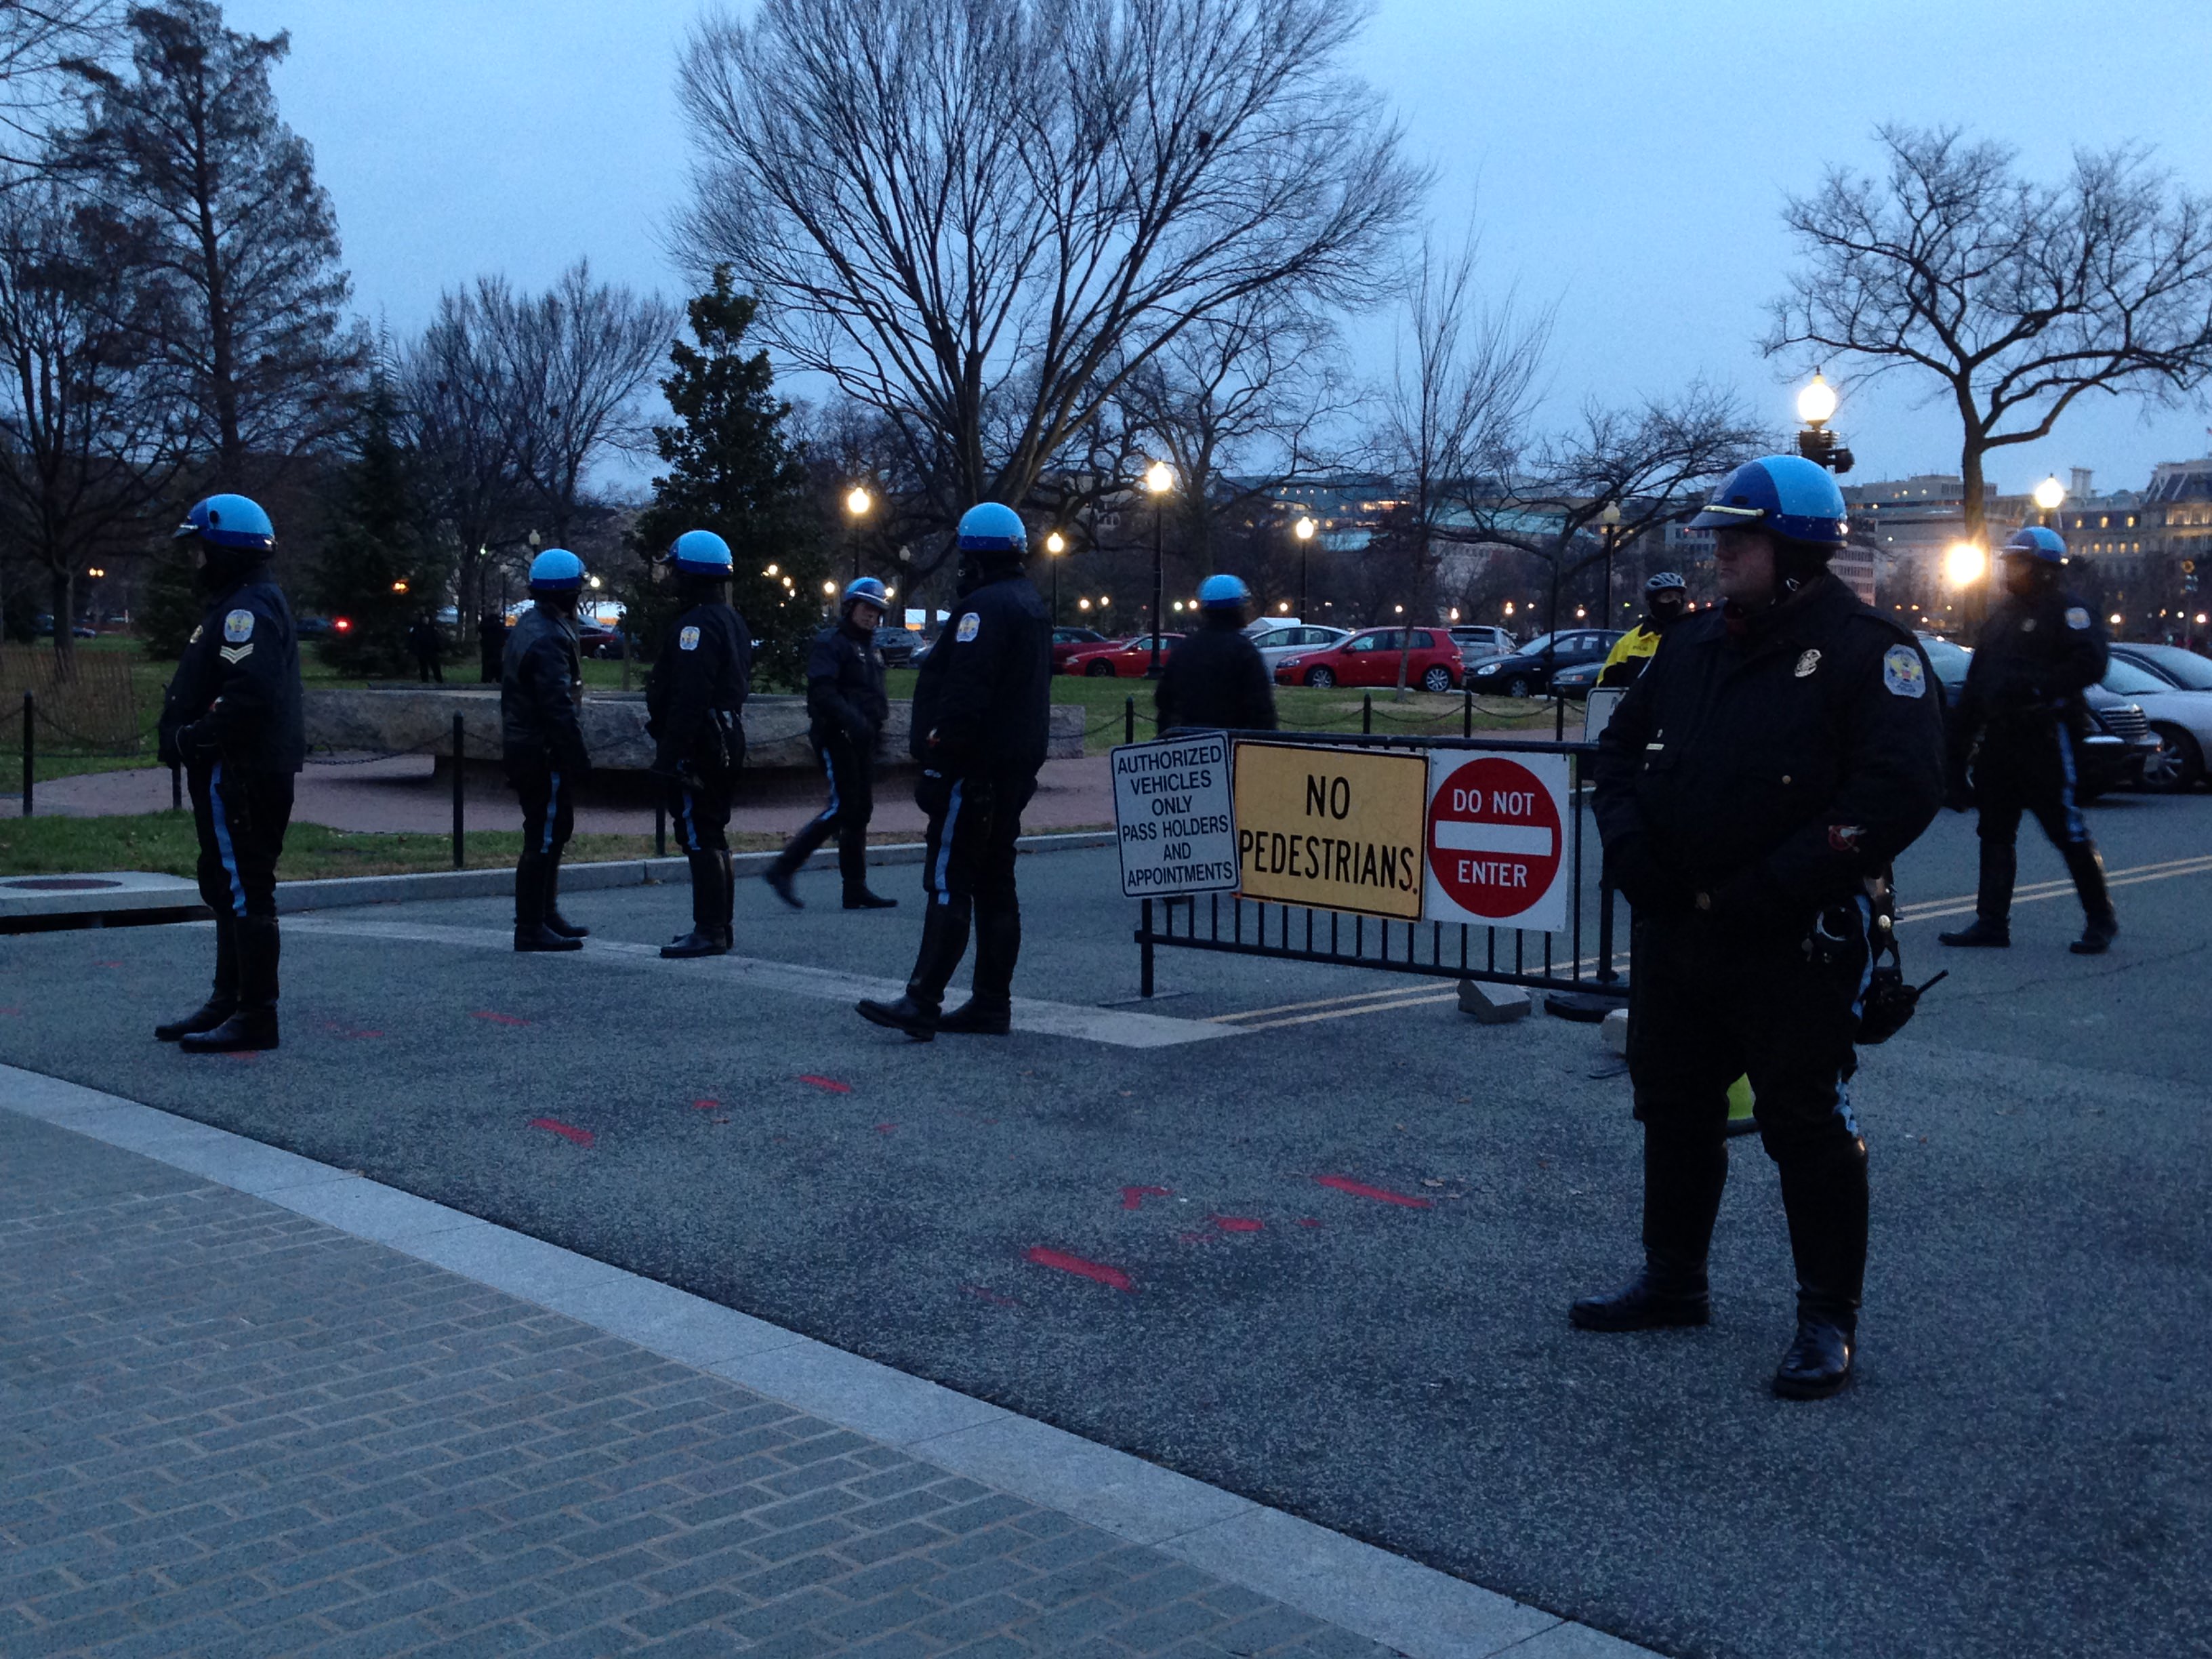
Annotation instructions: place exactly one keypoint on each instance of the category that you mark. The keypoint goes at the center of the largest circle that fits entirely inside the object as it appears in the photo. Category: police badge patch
(969, 626)
(238, 627)
(2076, 617)
(1808, 663)
(1902, 673)
(688, 640)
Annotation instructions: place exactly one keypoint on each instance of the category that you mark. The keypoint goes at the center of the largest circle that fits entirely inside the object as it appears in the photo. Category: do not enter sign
(1496, 840)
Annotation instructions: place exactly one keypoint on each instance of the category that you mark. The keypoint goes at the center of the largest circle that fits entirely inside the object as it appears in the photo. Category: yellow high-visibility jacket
(1629, 654)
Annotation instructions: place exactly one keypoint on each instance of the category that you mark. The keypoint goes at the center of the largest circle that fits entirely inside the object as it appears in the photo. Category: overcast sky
(1626, 159)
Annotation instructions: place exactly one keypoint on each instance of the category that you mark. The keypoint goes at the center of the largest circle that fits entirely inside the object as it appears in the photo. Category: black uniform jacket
(1216, 676)
(845, 686)
(537, 686)
(980, 702)
(1774, 771)
(2033, 658)
(696, 695)
(237, 685)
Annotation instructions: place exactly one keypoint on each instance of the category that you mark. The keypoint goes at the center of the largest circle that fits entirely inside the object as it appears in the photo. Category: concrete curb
(1370, 1592)
(337, 891)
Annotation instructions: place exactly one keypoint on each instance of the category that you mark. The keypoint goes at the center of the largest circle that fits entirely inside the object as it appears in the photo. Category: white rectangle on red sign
(1495, 853)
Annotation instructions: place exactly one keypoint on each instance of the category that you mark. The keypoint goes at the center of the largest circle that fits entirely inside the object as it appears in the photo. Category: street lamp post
(2049, 495)
(1305, 528)
(857, 504)
(1609, 522)
(1816, 407)
(1159, 478)
(1055, 545)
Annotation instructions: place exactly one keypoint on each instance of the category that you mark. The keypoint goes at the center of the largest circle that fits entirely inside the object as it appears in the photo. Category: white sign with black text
(1173, 816)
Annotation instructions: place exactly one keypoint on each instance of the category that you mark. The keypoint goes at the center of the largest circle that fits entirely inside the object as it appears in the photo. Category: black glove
(197, 741)
(1635, 872)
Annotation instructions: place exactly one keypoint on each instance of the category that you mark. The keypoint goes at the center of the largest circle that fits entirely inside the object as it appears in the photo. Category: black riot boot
(555, 921)
(943, 941)
(222, 1001)
(1683, 1179)
(729, 898)
(1991, 926)
(2100, 924)
(710, 909)
(252, 1025)
(853, 868)
(532, 877)
(989, 1010)
(1824, 1193)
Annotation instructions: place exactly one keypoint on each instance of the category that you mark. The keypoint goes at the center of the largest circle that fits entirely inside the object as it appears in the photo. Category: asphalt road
(1137, 1244)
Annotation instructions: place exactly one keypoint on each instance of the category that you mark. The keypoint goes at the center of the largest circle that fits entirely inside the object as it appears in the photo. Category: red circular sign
(1494, 840)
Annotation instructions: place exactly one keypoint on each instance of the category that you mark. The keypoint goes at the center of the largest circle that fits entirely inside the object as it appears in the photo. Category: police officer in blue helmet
(2019, 725)
(694, 700)
(1753, 788)
(542, 741)
(231, 718)
(1216, 676)
(980, 706)
(846, 709)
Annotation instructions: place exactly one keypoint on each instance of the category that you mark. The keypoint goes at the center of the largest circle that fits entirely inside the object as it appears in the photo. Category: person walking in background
(542, 740)
(981, 703)
(1216, 676)
(694, 700)
(491, 647)
(428, 645)
(846, 709)
(232, 718)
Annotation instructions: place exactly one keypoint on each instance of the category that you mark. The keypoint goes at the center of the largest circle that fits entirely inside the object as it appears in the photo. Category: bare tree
(978, 218)
(190, 150)
(2010, 299)
(39, 40)
(88, 434)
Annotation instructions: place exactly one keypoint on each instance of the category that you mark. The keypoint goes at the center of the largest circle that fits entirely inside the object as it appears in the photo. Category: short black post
(30, 746)
(1467, 709)
(1144, 975)
(1366, 714)
(1129, 720)
(660, 830)
(176, 788)
(460, 854)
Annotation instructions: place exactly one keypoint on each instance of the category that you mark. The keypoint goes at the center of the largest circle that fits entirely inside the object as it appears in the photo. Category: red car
(1370, 658)
(1066, 641)
(1126, 657)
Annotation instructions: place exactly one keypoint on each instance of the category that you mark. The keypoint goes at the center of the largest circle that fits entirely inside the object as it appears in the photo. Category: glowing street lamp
(1304, 531)
(1963, 564)
(1816, 407)
(2048, 494)
(857, 503)
(1159, 478)
(1055, 545)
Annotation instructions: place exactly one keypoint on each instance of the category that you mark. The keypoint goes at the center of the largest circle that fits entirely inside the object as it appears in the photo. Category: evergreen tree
(374, 571)
(731, 470)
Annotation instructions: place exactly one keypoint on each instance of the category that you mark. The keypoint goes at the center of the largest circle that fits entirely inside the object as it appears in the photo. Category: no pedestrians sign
(1496, 840)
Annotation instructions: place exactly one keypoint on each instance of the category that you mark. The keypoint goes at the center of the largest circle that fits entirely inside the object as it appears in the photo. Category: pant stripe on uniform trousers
(222, 839)
(690, 825)
(942, 893)
(552, 809)
(2076, 830)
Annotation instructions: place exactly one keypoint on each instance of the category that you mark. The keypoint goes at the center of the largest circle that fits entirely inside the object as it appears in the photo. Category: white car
(2180, 714)
(1283, 641)
(1478, 644)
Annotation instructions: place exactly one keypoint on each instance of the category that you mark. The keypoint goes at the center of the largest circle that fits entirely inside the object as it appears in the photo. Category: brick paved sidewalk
(227, 1428)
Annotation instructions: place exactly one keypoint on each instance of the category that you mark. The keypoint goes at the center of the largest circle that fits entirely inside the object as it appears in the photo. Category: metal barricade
(1582, 960)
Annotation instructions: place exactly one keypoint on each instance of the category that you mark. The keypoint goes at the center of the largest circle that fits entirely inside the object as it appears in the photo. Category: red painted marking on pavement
(886, 1128)
(829, 1082)
(1237, 1224)
(1196, 1239)
(107, 964)
(18, 1012)
(1133, 1198)
(1075, 1264)
(991, 1297)
(497, 1020)
(565, 1131)
(1361, 1190)
(336, 1029)
(1308, 1221)
(705, 1105)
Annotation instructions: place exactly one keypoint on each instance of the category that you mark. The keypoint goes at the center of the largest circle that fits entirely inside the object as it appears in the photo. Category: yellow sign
(1339, 829)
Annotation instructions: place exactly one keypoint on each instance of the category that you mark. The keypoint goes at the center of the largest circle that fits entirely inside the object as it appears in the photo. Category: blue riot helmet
(556, 570)
(1223, 592)
(993, 530)
(2032, 541)
(864, 590)
(1787, 495)
(235, 522)
(700, 553)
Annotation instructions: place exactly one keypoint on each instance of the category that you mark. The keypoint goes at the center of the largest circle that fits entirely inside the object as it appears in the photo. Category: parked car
(1480, 644)
(597, 640)
(1370, 658)
(1124, 657)
(1526, 672)
(2180, 722)
(43, 623)
(897, 645)
(2183, 670)
(2120, 743)
(1576, 682)
(1278, 640)
(311, 628)
(1066, 641)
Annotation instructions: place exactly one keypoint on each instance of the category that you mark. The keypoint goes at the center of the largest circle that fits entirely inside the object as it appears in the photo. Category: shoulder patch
(688, 640)
(1902, 673)
(238, 627)
(1808, 663)
(2076, 617)
(970, 625)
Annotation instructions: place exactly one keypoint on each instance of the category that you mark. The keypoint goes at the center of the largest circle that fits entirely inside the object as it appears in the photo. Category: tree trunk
(64, 596)
(1974, 600)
